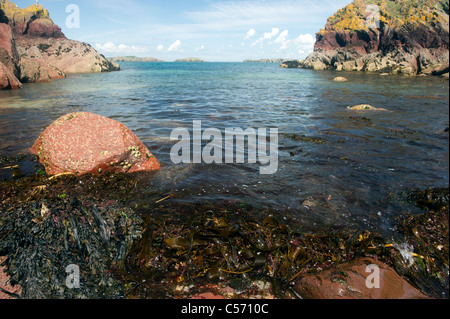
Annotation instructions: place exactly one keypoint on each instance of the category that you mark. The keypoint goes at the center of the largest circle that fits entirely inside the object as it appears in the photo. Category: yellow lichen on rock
(392, 13)
(16, 14)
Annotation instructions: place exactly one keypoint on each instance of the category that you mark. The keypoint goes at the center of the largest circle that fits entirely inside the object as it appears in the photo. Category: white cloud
(267, 36)
(305, 39)
(176, 46)
(250, 34)
(304, 43)
(282, 37)
(270, 35)
(199, 48)
(285, 45)
(160, 48)
(110, 47)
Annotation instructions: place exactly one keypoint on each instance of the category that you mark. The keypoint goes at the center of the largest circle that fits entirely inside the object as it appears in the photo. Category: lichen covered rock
(34, 20)
(82, 143)
(407, 37)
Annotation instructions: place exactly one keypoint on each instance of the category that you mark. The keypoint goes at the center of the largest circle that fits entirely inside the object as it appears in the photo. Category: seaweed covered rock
(81, 143)
(128, 244)
(42, 240)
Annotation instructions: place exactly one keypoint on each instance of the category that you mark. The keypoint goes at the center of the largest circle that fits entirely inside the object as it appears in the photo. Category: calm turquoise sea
(346, 180)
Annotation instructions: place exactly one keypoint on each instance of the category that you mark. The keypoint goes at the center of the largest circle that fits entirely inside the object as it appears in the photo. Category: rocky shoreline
(264, 61)
(34, 49)
(130, 241)
(411, 38)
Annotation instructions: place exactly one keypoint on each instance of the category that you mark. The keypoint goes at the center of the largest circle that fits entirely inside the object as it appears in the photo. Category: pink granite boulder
(349, 281)
(82, 143)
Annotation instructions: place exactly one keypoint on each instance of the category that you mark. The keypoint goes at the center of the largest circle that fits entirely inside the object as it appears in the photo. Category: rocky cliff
(34, 49)
(401, 36)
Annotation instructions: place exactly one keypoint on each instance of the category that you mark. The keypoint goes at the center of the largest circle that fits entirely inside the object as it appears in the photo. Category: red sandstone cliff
(34, 49)
(402, 36)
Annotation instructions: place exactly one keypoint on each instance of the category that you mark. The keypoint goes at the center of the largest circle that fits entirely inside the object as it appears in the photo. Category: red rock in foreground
(82, 143)
(348, 281)
(4, 283)
(207, 295)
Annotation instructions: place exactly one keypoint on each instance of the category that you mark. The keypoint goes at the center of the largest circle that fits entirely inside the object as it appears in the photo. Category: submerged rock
(365, 107)
(82, 143)
(340, 79)
(348, 281)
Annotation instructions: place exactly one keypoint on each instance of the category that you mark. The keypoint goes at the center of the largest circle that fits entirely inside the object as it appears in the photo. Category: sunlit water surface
(349, 180)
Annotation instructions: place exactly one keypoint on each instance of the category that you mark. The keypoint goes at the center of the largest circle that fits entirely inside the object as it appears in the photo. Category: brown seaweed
(132, 242)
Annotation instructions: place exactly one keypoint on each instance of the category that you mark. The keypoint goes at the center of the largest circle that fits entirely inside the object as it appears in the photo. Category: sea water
(336, 167)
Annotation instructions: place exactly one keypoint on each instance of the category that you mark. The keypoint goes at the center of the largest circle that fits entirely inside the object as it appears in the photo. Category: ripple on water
(348, 178)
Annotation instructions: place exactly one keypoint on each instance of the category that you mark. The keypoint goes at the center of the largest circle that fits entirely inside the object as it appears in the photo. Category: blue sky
(209, 29)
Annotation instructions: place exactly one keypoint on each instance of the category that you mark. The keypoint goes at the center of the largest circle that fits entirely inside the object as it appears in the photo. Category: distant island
(190, 60)
(264, 61)
(134, 59)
